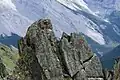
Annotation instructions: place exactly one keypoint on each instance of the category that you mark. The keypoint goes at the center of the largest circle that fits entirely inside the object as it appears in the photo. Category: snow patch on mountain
(96, 36)
(6, 5)
(102, 6)
(76, 4)
(13, 22)
(117, 5)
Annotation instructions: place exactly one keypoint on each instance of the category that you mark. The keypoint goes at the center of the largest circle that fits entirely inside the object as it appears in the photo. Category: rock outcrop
(46, 58)
(108, 74)
(115, 73)
(117, 69)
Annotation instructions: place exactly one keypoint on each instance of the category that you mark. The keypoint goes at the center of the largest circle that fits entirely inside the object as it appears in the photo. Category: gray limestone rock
(47, 58)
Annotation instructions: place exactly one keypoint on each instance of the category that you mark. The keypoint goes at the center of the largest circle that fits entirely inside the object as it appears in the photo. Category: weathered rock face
(117, 70)
(39, 46)
(108, 74)
(46, 58)
(78, 58)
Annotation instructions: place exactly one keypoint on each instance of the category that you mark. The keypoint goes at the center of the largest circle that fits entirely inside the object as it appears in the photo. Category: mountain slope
(16, 19)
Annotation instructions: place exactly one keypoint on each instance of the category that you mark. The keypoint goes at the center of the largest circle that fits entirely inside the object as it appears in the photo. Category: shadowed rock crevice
(47, 58)
(87, 60)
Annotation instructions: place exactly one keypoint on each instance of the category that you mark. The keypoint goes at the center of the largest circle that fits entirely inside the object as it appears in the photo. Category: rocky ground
(43, 57)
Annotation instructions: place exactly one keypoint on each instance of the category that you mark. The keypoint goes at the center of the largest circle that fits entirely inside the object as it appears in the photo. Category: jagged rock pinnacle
(46, 58)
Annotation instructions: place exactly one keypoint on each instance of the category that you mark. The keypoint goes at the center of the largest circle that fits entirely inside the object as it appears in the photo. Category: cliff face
(46, 58)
